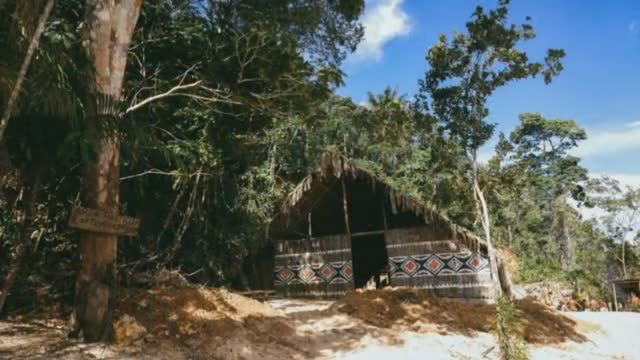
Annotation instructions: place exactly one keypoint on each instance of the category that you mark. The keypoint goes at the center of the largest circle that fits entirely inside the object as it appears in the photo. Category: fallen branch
(487, 352)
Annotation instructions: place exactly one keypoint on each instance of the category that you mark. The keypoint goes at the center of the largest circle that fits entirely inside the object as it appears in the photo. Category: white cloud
(633, 124)
(383, 21)
(632, 180)
(609, 142)
(365, 104)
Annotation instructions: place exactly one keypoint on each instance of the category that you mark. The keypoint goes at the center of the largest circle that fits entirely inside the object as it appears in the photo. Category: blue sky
(599, 87)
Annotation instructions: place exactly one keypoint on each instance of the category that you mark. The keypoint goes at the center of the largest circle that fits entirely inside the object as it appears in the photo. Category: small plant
(510, 343)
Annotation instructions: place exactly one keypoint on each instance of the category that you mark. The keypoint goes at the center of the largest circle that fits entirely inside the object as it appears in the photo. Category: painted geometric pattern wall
(419, 258)
(338, 272)
(318, 267)
(437, 265)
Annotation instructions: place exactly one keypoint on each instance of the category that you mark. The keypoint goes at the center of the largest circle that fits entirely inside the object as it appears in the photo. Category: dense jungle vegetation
(226, 105)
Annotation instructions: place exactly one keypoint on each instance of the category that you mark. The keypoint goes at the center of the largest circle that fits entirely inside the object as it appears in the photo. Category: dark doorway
(369, 254)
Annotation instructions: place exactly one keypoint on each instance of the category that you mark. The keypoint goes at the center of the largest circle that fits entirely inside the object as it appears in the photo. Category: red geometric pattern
(328, 272)
(306, 274)
(340, 272)
(285, 275)
(436, 264)
(454, 264)
(475, 262)
(347, 271)
(410, 266)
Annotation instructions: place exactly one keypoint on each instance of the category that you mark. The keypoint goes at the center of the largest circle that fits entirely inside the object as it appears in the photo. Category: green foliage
(531, 181)
(541, 146)
(45, 141)
(196, 165)
(51, 107)
(463, 74)
(511, 345)
(466, 70)
(216, 153)
(542, 267)
(206, 166)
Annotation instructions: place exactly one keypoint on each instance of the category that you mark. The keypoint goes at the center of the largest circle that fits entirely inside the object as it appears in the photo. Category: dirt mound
(416, 310)
(412, 309)
(212, 322)
(195, 323)
(544, 325)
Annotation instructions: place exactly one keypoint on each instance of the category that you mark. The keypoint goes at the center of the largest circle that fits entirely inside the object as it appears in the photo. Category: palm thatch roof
(335, 166)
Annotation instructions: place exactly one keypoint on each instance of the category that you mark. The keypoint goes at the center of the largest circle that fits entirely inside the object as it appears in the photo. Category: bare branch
(163, 95)
(160, 172)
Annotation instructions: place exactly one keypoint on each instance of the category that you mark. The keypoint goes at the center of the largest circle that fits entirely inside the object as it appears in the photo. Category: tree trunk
(505, 278)
(98, 252)
(25, 66)
(493, 260)
(624, 261)
(566, 245)
(110, 26)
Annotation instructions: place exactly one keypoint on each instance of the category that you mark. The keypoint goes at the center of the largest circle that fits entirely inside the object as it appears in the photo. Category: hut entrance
(369, 255)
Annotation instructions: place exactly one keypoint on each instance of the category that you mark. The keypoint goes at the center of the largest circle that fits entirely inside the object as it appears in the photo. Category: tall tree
(541, 146)
(109, 28)
(465, 71)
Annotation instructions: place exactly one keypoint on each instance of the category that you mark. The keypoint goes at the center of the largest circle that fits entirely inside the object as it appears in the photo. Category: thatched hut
(342, 225)
(626, 293)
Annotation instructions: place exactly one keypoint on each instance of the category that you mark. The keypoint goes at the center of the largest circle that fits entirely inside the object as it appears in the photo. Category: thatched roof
(628, 283)
(334, 165)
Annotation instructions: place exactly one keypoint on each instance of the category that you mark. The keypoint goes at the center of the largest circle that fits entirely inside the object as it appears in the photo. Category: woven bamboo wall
(318, 267)
(430, 258)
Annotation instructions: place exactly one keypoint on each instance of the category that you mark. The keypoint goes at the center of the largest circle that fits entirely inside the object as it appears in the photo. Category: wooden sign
(103, 222)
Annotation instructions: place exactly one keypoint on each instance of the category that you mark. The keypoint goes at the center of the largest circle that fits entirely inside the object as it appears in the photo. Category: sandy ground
(611, 336)
(214, 324)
